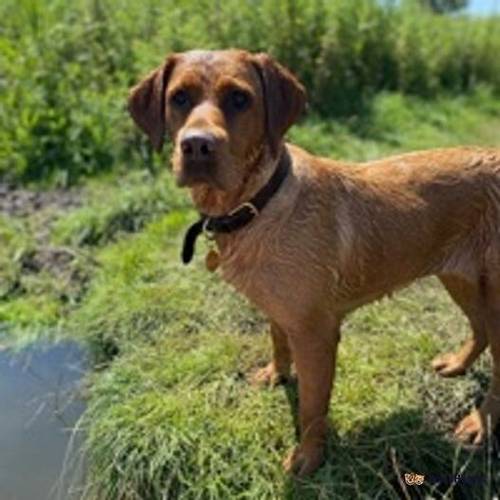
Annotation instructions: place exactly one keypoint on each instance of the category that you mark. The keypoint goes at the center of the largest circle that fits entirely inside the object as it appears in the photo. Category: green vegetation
(48, 253)
(170, 411)
(135, 200)
(66, 66)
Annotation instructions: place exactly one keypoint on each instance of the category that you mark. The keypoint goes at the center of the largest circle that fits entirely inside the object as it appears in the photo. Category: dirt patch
(24, 202)
(38, 210)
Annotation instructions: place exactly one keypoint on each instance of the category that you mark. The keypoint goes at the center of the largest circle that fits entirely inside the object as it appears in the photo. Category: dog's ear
(284, 97)
(146, 102)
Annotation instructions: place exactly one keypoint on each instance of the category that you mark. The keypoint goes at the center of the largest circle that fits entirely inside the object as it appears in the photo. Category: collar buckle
(209, 235)
(247, 204)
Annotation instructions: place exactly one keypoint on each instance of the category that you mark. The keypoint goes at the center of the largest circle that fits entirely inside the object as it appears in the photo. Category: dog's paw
(471, 429)
(449, 365)
(269, 376)
(304, 461)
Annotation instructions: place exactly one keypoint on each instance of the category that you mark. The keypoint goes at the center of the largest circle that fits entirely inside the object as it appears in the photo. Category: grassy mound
(174, 416)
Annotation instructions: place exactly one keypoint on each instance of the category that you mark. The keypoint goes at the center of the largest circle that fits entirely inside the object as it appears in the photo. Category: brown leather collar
(240, 216)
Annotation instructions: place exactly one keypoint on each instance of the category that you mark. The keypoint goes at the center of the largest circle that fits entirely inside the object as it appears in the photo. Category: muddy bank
(35, 212)
(16, 202)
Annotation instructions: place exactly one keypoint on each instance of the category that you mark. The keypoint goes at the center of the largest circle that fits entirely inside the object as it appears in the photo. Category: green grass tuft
(123, 204)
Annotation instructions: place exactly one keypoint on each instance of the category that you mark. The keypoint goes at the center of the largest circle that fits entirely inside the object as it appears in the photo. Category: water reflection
(38, 410)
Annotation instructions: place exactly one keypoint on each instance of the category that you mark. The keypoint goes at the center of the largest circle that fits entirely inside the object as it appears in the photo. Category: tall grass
(66, 66)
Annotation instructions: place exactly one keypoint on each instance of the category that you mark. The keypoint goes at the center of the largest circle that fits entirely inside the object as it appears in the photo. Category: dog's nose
(198, 145)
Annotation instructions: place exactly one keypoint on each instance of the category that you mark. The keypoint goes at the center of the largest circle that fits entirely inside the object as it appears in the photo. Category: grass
(395, 122)
(49, 254)
(171, 413)
(134, 204)
(178, 418)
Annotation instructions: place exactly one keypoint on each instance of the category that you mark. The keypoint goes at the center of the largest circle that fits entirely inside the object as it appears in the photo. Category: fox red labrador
(309, 239)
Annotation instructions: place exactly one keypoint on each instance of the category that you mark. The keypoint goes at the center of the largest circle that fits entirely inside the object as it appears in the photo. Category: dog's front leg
(314, 352)
(278, 369)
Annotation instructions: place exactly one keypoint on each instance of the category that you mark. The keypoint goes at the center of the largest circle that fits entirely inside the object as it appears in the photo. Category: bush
(63, 93)
(67, 67)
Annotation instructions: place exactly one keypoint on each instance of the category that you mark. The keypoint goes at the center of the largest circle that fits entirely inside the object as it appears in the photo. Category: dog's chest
(257, 266)
(270, 269)
(247, 263)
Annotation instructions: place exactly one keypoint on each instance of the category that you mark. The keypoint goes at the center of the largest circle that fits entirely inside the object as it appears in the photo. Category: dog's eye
(180, 99)
(239, 100)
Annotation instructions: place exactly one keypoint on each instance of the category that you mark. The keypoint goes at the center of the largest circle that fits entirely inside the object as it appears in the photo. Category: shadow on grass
(372, 461)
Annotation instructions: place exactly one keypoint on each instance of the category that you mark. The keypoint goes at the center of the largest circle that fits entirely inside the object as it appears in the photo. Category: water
(38, 409)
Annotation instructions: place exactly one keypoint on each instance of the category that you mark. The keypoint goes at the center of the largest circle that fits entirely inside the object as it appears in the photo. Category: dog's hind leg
(475, 426)
(278, 370)
(467, 295)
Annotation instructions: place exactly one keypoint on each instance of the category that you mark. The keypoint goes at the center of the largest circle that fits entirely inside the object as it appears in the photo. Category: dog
(308, 239)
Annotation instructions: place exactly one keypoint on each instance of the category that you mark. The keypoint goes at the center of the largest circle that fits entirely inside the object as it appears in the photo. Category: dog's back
(407, 216)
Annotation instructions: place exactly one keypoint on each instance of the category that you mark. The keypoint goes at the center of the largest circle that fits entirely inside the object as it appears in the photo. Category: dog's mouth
(191, 174)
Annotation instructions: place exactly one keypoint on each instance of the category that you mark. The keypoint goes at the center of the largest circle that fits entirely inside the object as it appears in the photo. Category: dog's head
(223, 110)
